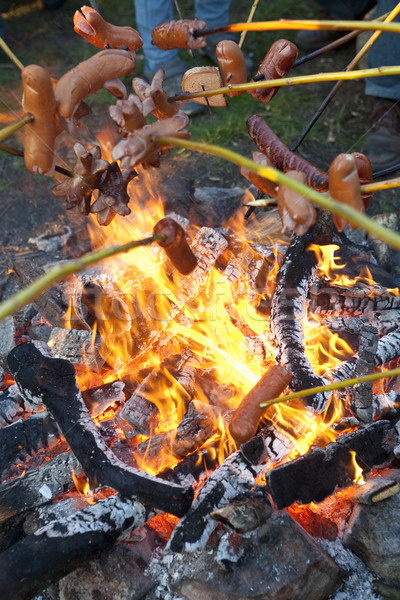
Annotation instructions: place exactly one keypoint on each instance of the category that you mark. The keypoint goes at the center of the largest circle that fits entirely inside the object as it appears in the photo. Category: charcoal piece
(287, 313)
(41, 559)
(24, 438)
(192, 468)
(244, 514)
(11, 405)
(98, 399)
(53, 380)
(315, 476)
(279, 560)
(76, 345)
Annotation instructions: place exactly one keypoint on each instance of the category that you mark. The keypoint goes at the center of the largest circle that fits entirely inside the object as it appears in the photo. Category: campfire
(184, 407)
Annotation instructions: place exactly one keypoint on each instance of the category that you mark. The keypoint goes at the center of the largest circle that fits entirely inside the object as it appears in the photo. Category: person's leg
(148, 14)
(382, 141)
(213, 12)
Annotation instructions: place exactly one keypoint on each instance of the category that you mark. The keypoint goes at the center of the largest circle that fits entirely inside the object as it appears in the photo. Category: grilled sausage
(281, 157)
(266, 186)
(364, 173)
(101, 34)
(344, 186)
(245, 419)
(277, 63)
(231, 64)
(89, 76)
(175, 245)
(179, 34)
(40, 134)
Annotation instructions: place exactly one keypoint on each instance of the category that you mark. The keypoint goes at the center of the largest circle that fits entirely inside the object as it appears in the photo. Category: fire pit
(140, 424)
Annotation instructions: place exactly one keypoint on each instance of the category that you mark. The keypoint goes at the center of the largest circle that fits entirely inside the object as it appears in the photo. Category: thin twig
(333, 386)
(385, 234)
(289, 81)
(249, 20)
(381, 185)
(4, 46)
(327, 48)
(59, 272)
(360, 54)
(387, 171)
(11, 129)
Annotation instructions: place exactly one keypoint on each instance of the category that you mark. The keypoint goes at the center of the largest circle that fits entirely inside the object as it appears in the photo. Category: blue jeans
(384, 52)
(150, 13)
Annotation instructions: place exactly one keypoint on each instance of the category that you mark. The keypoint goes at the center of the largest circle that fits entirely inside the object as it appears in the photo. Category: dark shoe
(209, 49)
(382, 142)
(174, 71)
(314, 39)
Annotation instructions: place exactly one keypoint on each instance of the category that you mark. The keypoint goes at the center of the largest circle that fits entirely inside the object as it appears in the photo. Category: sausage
(281, 157)
(245, 419)
(344, 186)
(176, 246)
(297, 212)
(101, 34)
(231, 64)
(364, 169)
(40, 134)
(89, 76)
(277, 63)
(262, 183)
(178, 34)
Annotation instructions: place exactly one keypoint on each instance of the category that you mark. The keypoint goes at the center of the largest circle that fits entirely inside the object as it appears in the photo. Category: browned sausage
(179, 34)
(101, 34)
(297, 212)
(281, 157)
(277, 63)
(231, 64)
(245, 419)
(176, 246)
(364, 169)
(266, 186)
(344, 186)
(40, 135)
(89, 76)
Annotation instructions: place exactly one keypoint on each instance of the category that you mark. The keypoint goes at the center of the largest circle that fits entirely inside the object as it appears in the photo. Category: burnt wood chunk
(361, 393)
(315, 476)
(287, 313)
(59, 547)
(53, 381)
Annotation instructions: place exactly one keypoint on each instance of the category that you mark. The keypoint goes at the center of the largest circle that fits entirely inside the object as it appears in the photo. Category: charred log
(315, 476)
(59, 547)
(38, 486)
(361, 394)
(288, 310)
(24, 438)
(52, 381)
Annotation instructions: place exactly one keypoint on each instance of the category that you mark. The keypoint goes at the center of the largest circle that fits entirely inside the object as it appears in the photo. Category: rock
(278, 561)
(116, 575)
(373, 534)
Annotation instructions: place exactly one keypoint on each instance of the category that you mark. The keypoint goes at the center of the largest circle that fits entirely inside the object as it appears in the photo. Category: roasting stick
(59, 272)
(289, 81)
(333, 386)
(249, 20)
(352, 64)
(343, 210)
(7, 131)
(11, 54)
(295, 24)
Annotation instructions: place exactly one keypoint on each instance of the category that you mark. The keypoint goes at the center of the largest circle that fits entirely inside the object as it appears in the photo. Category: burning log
(317, 474)
(76, 345)
(59, 547)
(384, 321)
(24, 438)
(38, 486)
(52, 381)
(361, 394)
(288, 310)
